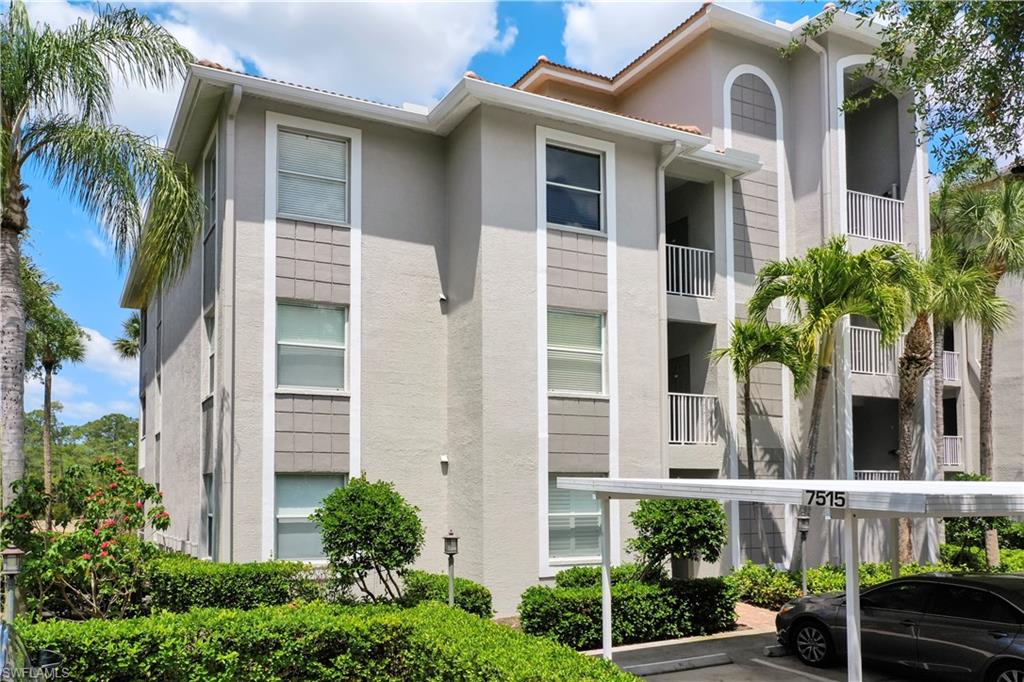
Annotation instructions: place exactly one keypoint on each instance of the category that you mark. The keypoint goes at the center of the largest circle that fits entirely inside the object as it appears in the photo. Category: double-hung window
(312, 177)
(575, 352)
(297, 497)
(574, 523)
(311, 346)
(575, 187)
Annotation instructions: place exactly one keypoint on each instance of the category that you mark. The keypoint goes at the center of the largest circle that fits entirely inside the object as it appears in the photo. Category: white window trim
(343, 347)
(603, 393)
(602, 192)
(347, 182)
(274, 121)
(546, 568)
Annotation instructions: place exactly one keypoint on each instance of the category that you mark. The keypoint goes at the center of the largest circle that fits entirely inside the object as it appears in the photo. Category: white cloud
(605, 36)
(102, 358)
(393, 52)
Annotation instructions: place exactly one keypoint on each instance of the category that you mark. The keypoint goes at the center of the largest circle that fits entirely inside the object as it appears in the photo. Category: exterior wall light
(12, 559)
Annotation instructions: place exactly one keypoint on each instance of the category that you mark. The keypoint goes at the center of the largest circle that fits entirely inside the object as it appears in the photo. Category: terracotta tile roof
(543, 61)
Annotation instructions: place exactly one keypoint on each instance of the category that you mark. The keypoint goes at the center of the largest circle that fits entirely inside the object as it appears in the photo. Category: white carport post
(851, 557)
(606, 577)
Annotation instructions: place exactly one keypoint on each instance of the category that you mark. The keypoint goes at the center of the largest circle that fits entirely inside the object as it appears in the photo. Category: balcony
(876, 475)
(874, 217)
(691, 271)
(692, 419)
(868, 356)
(951, 366)
(953, 452)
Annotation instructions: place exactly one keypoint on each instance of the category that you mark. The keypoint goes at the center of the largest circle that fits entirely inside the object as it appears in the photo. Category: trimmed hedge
(641, 612)
(421, 586)
(311, 643)
(590, 576)
(180, 583)
(764, 586)
(974, 559)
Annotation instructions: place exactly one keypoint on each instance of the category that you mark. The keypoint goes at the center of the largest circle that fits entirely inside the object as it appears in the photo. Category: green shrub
(641, 612)
(369, 531)
(969, 531)
(674, 528)
(92, 563)
(180, 583)
(589, 576)
(421, 586)
(1012, 537)
(764, 586)
(974, 559)
(311, 643)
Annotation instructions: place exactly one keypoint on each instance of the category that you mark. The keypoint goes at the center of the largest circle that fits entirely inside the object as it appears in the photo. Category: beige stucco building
(517, 283)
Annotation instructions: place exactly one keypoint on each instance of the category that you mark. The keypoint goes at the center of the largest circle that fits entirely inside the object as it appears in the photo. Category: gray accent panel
(762, 532)
(753, 109)
(577, 435)
(577, 270)
(311, 433)
(756, 220)
(313, 262)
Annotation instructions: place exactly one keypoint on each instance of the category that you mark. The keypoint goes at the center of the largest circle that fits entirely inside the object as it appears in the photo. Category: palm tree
(823, 287)
(52, 338)
(128, 345)
(991, 221)
(948, 290)
(57, 89)
(754, 343)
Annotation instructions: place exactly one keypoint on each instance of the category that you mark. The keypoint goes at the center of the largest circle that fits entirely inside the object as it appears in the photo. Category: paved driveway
(749, 663)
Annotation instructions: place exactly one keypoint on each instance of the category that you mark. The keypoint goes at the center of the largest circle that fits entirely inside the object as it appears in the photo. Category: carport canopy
(844, 500)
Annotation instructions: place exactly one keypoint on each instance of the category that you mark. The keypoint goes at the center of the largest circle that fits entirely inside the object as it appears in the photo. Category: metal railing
(691, 419)
(874, 217)
(691, 271)
(868, 356)
(950, 365)
(953, 451)
(876, 475)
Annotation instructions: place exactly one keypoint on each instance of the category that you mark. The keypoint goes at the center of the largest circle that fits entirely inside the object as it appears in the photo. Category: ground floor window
(574, 523)
(211, 516)
(298, 496)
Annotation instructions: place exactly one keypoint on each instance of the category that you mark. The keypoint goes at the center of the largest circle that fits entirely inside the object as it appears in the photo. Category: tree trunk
(985, 401)
(12, 350)
(821, 380)
(939, 380)
(747, 407)
(914, 363)
(47, 437)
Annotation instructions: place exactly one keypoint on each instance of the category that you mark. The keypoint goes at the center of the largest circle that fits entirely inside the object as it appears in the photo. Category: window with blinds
(312, 177)
(574, 523)
(310, 346)
(574, 187)
(575, 351)
(297, 497)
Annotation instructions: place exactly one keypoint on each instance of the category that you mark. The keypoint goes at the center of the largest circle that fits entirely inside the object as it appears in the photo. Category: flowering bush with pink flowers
(91, 562)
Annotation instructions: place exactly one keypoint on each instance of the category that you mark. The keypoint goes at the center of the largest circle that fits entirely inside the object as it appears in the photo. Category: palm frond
(753, 343)
(118, 176)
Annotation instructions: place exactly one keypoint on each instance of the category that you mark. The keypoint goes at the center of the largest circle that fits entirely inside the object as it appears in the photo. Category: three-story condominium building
(519, 283)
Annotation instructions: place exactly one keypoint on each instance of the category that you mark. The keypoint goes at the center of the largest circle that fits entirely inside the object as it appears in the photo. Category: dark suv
(963, 627)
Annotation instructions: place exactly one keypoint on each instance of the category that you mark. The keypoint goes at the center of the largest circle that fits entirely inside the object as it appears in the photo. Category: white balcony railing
(691, 419)
(868, 356)
(691, 272)
(953, 452)
(874, 217)
(950, 366)
(876, 475)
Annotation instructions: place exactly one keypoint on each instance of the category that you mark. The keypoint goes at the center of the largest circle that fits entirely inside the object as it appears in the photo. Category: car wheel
(1007, 672)
(813, 645)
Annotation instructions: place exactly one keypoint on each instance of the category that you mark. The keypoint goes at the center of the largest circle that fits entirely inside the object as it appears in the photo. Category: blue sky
(393, 53)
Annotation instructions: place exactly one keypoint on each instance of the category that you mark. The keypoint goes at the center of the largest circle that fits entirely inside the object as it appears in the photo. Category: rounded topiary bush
(370, 534)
